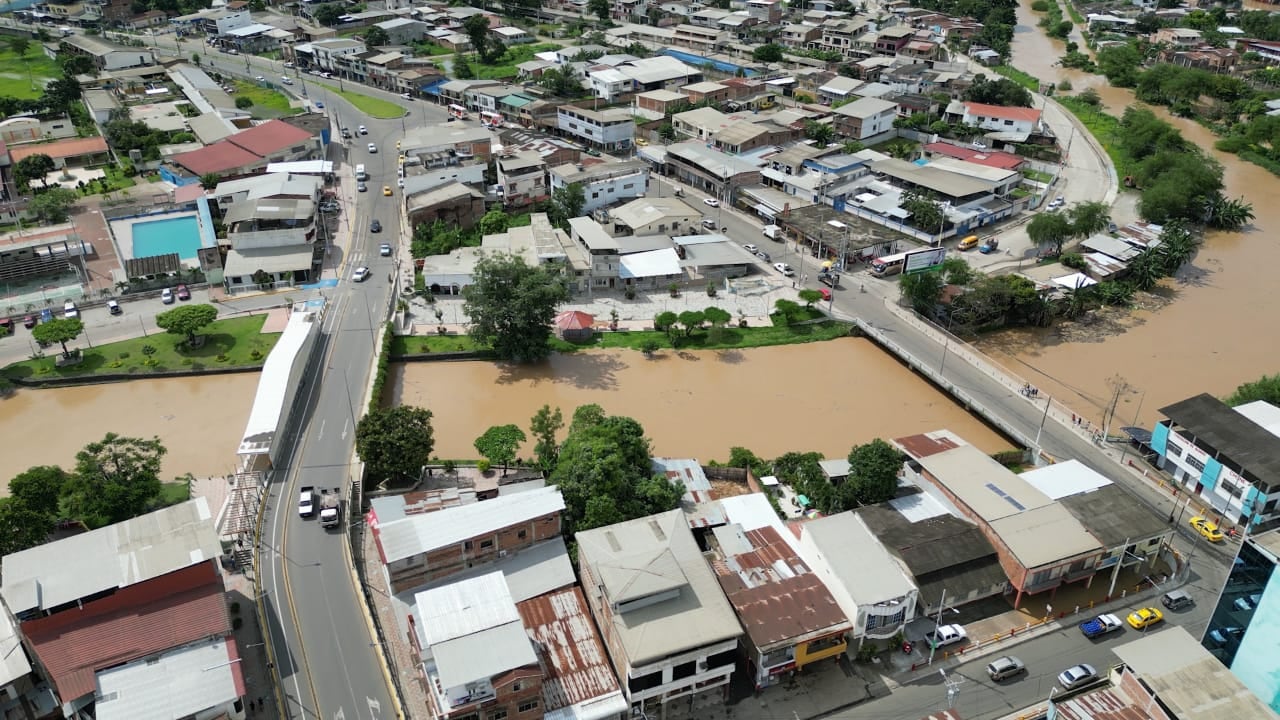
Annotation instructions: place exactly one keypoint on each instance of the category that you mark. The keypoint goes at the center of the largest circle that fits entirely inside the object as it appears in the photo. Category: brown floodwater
(199, 420)
(825, 396)
(1212, 333)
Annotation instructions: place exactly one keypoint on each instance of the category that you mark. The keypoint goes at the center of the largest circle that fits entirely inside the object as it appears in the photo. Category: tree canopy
(376, 37)
(187, 320)
(53, 205)
(1049, 229)
(115, 479)
(395, 443)
(567, 203)
(767, 53)
(33, 167)
(499, 444)
(1002, 91)
(1265, 388)
(22, 527)
(58, 330)
(40, 488)
(512, 305)
(544, 425)
(873, 472)
(605, 473)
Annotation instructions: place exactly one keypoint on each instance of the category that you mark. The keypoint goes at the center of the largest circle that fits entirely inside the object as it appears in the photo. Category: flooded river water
(1209, 337)
(822, 396)
(199, 420)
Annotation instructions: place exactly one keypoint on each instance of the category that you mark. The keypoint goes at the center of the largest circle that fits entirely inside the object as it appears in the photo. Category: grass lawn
(1026, 80)
(1038, 176)
(172, 493)
(1102, 126)
(228, 343)
(275, 103)
(371, 106)
(431, 49)
(505, 66)
(13, 73)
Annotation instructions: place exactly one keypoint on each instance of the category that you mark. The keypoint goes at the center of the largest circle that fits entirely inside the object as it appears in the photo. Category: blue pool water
(698, 61)
(173, 235)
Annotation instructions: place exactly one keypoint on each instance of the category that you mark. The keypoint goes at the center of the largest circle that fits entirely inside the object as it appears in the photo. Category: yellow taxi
(1144, 618)
(641, 142)
(969, 243)
(1207, 529)
(386, 190)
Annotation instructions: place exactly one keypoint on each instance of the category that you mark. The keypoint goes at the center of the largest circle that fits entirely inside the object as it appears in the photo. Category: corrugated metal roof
(698, 502)
(166, 612)
(483, 654)
(177, 684)
(418, 534)
(112, 557)
(473, 630)
(531, 572)
(575, 668)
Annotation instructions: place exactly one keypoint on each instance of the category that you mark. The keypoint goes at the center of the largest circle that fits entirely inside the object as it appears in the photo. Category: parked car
(1176, 600)
(361, 274)
(346, 133)
(945, 635)
(1207, 529)
(373, 148)
(375, 226)
(166, 296)
(711, 202)
(260, 79)
(1143, 618)
(384, 249)
(763, 255)
(183, 293)
(709, 223)
(968, 243)
(400, 182)
(750, 248)
(69, 310)
(288, 65)
(285, 80)
(46, 315)
(1003, 668)
(113, 307)
(29, 322)
(1101, 625)
(361, 187)
(406, 96)
(784, 268)
(1077, 675)
(319, 105)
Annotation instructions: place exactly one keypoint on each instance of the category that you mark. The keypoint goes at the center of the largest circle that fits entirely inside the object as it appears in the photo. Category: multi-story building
(418, 546)
(653, 216)
(1242, 629)
(765, 11)
(998, 118)
(523, 177)
(604, 184)
(272, 225)
(476, 657)
(245, 152)
(800, 37)
(890, 40)
(714, 172)
(1228, 456)
(865, 118)
(611, 129)
(325, 54)
(106, 56)
(669, 629)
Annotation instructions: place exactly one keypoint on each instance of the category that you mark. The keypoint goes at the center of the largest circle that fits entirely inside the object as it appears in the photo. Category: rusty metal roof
(779, 600)
(575, 668)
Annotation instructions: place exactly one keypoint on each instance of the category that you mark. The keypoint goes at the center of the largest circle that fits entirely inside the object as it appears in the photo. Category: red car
(183, 293)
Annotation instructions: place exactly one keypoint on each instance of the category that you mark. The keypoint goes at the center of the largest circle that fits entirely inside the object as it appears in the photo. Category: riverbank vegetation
(113, 480)
(997, 18)
(1265, 388)
(873, 475)
(234, 342)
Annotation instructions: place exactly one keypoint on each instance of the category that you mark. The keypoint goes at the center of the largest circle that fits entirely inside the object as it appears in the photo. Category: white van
(773, 232)
(360, 173)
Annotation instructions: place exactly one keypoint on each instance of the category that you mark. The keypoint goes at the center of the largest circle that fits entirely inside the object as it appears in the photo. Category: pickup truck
(307, 501)
(1101, 625)
(945, 635)
(330, 508)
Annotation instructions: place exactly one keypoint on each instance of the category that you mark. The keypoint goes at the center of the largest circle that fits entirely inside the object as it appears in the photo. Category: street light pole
(1047, 402)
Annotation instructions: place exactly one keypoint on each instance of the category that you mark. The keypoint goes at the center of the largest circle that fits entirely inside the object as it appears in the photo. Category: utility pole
(1134, 423)
(1115, 574)
(1047, 402)
(953, 687)
(1119, 387)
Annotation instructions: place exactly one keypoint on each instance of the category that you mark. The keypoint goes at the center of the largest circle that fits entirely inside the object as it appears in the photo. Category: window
(1008, 122)
(527, 706)
(498, 714)
(522, 534)
(683, 670)
(1194, 462)
(486, 544)
(466, 545)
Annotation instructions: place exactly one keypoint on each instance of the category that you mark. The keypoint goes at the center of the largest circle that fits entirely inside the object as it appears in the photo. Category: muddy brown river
(1210, 332)
(199, 420)
(821, 396)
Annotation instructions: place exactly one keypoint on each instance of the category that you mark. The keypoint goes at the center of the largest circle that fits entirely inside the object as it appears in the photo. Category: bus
(888, 265)
(458, 111)
(490, 119)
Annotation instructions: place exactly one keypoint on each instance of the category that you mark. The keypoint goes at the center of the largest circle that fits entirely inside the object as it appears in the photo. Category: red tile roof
(989, 158)
(216, 158)
(167, 612)
(269, 137)
(1003, 112)
(575, 667)
(71, 147)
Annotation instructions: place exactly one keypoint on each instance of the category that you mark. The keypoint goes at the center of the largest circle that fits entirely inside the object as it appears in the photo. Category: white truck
(307, 501)
(330, 508)
(945, 635)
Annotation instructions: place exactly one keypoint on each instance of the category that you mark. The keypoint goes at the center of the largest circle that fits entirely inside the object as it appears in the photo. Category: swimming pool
(699, 61)
(172, 235)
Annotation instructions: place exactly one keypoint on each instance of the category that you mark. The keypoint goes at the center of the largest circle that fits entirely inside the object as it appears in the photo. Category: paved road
(327, 660)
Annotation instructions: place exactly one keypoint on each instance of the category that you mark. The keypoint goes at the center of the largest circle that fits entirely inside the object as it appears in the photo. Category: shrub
(674, 289)
(1040, 6)
(187, 361)
(449, 467)
(711, 289)
(1064, 85)
(255, 354)
(222, 357)
(629, 293)
(1075, 261)
(649, 347)
(484, 465)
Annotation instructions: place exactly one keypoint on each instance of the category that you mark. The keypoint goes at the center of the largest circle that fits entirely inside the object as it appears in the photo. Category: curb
(104, 379)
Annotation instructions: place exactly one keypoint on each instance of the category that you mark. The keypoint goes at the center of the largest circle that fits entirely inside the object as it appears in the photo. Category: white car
(784, 268)
(751, 248)
(406, 96)
(288, 65)
(69, 310)
(1075, 676)
(373, 148)
(400, 182)
(384, 249)
(260, 79)
(285, 80)
(361, 274)
(166, 296)
(711, 202)
(363, 130)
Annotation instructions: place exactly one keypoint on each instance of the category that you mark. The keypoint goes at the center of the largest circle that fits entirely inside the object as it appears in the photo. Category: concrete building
(790, 617)
(1230, 457)
(604, 184)
(611, 129)
(273, 227)
(474, 651)
(1241, 632)
(105, 55)
(523, 177)
(653, 216)
(710, 170)
(998, 118)
(403, 31)
(244, 152)
(669, 629)
(418, 546)
(865, 118)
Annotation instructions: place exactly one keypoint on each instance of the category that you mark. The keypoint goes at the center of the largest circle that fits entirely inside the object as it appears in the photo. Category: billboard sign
(924, 260)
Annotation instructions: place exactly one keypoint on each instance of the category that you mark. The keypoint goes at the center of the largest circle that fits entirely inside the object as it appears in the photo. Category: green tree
(1228, 214)
(1049, 229)
(786, 310)
(462, 67)
(767, 53)
(18, 44)
(692, 320)
(187, 320)
(1121, 64)
(926, 213)
(605, 472)
(561, 83)
(115, 479)
(665, 321)
(328, 14)
(873, 473)
(601, 8)
(667, 132)
(922, 291)
(209, 181)
(494, 222)
(1002, 91)
(22, 527)
(476, 29)
(376, 37)
(39, 488)
(810, 297)
(58, 330)
(511, 305)
(544, 426)
(195, 59)
(499, 444)
(52, 206)
(1266, 388)
(33, 167)
(820, 133)
(243, 102)
(718, 317)
(567, 203)
(395, 443)
(1088, 218)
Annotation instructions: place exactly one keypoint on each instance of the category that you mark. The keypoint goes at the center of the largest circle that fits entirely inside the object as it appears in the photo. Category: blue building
(1228, 456)
(1244, 630)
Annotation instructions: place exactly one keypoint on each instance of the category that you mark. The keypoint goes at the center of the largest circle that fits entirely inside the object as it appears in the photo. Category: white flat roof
(473, 630)
(1065, 479)
(112, 557)
(870, 575)
(1262, 413)
(273, 384)
(655, 263)
(177, 684)
(417, 534)
(303, 167)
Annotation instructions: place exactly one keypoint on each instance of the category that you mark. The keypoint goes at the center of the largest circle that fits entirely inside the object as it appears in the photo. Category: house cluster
(668, 607)
(1107, 256)
(130, 621)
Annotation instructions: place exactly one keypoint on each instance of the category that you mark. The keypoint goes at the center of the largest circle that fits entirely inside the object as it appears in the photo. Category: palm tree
(1077, 302)
(1228, 214)
(1145, 271)
(209, 181)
